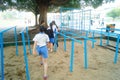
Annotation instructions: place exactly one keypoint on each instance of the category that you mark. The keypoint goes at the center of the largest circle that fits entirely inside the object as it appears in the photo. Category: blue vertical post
(64, 43)
(72, 56)
(25, 57)
(117, 49)
(55, 43)
(89, 21)
(86, 33)
(79, 21)
(61, 18)
(85, 54)
(15, 34)
(101, 38)
(28, 40)
(107, 43)
(84, 19)
(2, 56)
(93, 38)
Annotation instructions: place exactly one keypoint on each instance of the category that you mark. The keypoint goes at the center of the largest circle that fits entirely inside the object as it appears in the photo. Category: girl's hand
(34, 52)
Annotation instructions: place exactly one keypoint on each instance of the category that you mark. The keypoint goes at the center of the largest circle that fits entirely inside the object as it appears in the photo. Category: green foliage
(40, 6)
(9, 14)
(114, 13)
(32, 5)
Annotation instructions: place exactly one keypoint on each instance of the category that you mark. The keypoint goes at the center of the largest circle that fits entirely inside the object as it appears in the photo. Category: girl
(40, 45)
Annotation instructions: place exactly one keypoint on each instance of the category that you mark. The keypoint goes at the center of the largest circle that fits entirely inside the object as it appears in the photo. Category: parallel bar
(28, 41)
(16, 43)
(71, 38)
(72, 56)
(117, 49)
(85, 55)
(2, 55)
(25, 57)
(64, 43)
(6, 30)
(92, 41)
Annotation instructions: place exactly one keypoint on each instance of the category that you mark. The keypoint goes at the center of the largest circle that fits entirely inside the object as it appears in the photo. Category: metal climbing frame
(75, 19)
(2, 50)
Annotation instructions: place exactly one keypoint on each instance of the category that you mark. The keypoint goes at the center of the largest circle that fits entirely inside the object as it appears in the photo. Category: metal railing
(2, 49)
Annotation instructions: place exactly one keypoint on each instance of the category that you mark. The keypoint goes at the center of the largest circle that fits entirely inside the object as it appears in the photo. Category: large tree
(114, 13)
(43, 6)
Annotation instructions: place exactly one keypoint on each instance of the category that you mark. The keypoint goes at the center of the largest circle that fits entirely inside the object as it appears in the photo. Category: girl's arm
(34, 47)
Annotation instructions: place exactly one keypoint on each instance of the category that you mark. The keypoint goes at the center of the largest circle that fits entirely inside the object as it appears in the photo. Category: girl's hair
(42, 29)
(51, 24)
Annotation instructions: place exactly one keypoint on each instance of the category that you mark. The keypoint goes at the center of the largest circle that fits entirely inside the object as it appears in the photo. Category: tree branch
(58, 2)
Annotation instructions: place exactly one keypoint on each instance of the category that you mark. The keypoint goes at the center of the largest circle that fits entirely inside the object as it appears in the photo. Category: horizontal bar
(23, 30)
(71, 38)
(6, 29)
(84, 37)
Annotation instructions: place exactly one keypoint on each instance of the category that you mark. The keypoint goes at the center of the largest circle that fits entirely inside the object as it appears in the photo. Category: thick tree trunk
(43, 13)
(36, 20)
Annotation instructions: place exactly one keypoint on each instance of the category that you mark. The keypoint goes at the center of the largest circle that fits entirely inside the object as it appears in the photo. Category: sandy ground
(100, 64)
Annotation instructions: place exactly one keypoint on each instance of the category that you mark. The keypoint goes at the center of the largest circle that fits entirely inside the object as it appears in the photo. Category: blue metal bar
(81, 23)
(28, 40)
(93, 41)
(107, 43)
(2, 49)
(72, 56)
(73, 34)
(55, 43)
(2, 56)
(111, 29)
(6, 30)
(117, 49)
(86, 33)
(64, 43)
(16, 43)
(84, 20)
(101, 38)
(85, 55)
(89, 22)
(71, 38)
(70, 9)
(25, 57)
(61, 17)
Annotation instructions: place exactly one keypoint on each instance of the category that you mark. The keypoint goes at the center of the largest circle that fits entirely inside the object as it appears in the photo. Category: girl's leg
(45, 66)
(48, 46)
(51, 47)
(41, 60)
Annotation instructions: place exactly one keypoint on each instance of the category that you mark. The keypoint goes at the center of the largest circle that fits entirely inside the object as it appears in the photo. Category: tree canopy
(114, 13)
(43, 6)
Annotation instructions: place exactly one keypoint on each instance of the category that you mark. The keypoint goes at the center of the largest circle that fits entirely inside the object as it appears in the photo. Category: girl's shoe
(45, 78)
(48, 49)
(41, 63)
(51, 50)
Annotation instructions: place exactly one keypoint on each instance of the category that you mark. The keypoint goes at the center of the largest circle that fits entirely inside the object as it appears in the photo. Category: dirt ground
(100, 64)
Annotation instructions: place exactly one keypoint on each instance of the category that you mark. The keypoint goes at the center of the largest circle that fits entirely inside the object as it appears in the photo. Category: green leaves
(114, 13)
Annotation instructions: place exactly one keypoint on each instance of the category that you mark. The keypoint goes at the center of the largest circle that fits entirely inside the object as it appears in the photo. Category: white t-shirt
(41, 39)
(54, 29)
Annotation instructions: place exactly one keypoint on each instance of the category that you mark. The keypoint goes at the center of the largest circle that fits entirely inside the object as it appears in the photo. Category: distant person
(40, 45)
(102, 22)
(55, 30)
(91, 22)
(51, 37)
